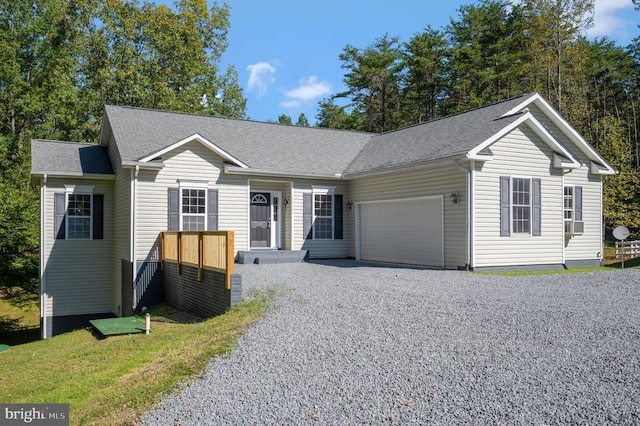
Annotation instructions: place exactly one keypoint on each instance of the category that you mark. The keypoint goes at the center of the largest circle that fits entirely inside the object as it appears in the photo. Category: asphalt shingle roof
(278, 148)
(265, 146)
(446, 137)
(68, 158)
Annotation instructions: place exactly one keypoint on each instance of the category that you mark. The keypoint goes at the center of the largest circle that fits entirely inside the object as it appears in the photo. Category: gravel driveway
(352, 343)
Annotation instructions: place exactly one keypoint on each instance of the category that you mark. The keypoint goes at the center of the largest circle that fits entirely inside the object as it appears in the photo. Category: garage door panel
(402, 232)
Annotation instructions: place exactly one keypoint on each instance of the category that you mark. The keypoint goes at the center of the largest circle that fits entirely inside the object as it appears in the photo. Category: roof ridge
(242, 120)
(457, 114)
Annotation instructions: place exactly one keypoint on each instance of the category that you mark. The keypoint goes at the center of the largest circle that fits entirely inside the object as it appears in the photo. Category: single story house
(507, 185)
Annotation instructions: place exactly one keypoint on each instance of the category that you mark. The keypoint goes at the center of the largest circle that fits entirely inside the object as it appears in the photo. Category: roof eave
(411, 165)
(236, 170)
(64, 175)
(142, 165)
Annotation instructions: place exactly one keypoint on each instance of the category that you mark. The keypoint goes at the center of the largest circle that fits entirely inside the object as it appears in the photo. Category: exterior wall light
(349, 206)
(454, 199)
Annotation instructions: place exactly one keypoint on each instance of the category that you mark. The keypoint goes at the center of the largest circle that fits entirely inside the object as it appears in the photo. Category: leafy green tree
(19, 219)
(557, 60)
(621, 205)
(425, 58)
(285, 119)
(338, 117)
(373, 81)
(486, 57)
(302, 120)
(62, 61)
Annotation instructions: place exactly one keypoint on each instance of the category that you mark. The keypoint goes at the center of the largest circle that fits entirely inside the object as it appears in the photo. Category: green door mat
(115, 326)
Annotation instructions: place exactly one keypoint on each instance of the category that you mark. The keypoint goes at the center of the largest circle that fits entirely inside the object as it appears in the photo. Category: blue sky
(286, 52)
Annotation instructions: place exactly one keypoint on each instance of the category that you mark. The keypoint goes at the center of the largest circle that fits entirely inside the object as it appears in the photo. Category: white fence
(628, 248)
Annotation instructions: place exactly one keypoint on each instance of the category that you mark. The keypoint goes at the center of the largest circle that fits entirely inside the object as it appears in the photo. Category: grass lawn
(113, 380)
(609, 264)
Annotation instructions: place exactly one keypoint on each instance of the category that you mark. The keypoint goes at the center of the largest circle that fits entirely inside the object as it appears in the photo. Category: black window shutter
(577, 194)
(98, 216)
(505, 208)
(337, 217)
(307, 212)
(59, 209)
(212, 213)
(536, 207)
(174, 209)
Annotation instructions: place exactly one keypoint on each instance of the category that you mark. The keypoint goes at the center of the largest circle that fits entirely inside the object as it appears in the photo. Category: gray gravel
(351, 343)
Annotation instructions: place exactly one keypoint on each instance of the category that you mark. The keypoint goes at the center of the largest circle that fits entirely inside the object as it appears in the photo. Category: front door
(260, 207)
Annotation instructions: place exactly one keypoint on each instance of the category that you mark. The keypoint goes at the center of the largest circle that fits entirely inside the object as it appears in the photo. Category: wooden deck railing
(202, 249)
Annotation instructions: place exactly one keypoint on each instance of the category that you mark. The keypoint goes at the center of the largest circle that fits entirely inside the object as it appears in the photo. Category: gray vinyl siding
(318, 249)
(420, 182)
(521, 153)
(78, 273)
(195, 162)
(589, 244)
(122, 223)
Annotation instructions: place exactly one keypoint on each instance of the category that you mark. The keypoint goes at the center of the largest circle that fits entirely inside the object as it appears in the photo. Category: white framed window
(79, 216)
(572, 210)
(568, 209)
(521, 205)
(323, 214)
(193, 209)
(323, 210)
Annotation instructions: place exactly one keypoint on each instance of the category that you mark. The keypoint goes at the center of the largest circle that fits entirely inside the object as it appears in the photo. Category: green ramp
(116, 326)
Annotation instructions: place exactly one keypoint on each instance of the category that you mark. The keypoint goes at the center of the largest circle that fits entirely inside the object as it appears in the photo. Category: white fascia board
(235, 170)
(66, 175)
(560, 163)
(596, 169)
(568, 130)
(138, 164)
(203, 141)
(530, 120)
(479, 157)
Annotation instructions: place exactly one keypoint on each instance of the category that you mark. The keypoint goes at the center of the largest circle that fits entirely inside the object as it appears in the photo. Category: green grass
(113, 380)
(19, 316)
(630, 263)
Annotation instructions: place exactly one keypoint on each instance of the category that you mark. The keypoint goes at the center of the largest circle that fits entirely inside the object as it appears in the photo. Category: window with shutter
(78, 214)
(520, 206)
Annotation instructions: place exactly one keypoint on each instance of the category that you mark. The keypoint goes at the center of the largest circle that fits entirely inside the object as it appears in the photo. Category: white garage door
(402, 231)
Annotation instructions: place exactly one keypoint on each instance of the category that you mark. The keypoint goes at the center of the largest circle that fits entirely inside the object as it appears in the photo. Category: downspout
(602, 231)
(472, 214)
(43, 234)
(469, 197)
(564, 260)
(292, 239)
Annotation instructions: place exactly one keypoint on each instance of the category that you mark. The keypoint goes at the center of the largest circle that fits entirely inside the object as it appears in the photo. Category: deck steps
(272, 256)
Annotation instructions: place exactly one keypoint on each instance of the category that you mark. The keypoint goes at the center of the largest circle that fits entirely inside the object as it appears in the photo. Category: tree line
(61, 61)
(494, 50)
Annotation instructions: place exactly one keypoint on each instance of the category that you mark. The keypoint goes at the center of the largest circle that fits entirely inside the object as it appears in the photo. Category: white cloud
(310, 89)
(608, 20)
(290, 104)
(261, 75)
